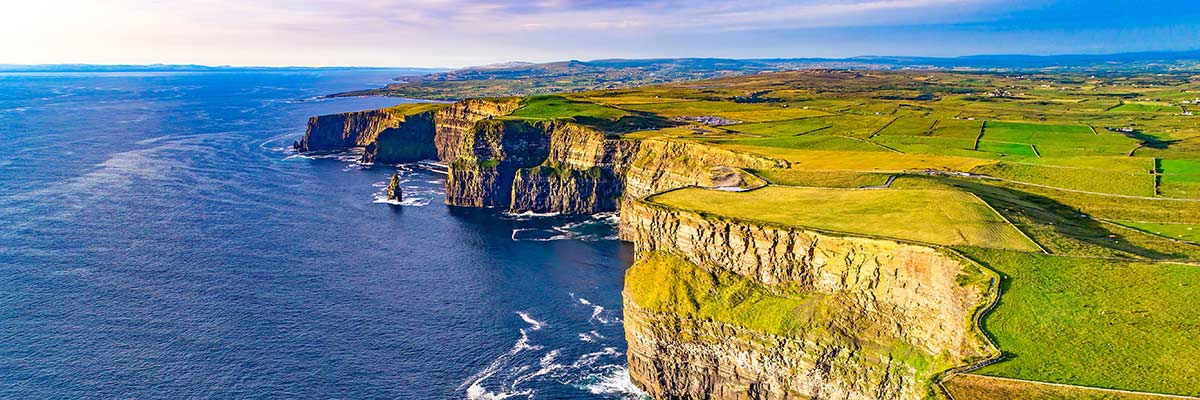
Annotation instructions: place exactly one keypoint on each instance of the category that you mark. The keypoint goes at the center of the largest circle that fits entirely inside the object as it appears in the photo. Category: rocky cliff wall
(662, 164)
(883, 318)
(456, 122)
(346, 130)
(411, 140)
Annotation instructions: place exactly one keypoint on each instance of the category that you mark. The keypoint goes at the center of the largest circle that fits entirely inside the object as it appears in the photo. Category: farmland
(1085, 203)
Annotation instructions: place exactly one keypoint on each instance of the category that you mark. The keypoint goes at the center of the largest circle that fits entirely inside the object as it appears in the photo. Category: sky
(457, 33)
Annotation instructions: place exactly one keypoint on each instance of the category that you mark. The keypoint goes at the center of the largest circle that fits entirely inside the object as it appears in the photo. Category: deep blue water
(159, 240)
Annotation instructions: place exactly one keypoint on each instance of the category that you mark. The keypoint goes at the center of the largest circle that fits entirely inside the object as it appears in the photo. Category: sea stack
(394, 191)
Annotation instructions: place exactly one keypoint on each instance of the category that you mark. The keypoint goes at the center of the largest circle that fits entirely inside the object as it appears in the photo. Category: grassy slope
(662, 282)
(978, 387)
(1096, 322)
(929, 216)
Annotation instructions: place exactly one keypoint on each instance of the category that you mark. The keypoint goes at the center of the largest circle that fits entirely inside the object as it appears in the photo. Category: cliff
(403, 133)
(346, 130)
(811, 314)
(662, 165)
(528, 165)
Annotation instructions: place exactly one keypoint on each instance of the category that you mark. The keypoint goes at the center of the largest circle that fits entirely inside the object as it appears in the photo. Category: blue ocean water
(158, 239)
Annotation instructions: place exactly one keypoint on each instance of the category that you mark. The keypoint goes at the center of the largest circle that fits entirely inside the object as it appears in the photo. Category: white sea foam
(591, 337)
(597, 312)
(533, 323)
(614, 381)
(597, 227)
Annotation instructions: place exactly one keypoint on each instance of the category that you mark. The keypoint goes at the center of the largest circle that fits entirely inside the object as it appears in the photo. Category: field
(819, 178)
(1096, 322)
(980, 387)
(1141, 107)
(557, 107)
(959, 219)
(1185, 232)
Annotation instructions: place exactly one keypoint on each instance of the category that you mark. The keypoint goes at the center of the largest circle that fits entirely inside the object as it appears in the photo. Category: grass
(665, 283)
(726, 109)
(858, 126)
(1143, 107)
(932, 145)
(1052, 140)
(823, 178)
(1007, 148)
(1139, 183)
(979, 387)
(1096, 322)
(662, 282)
(1186, 232)
(1054, 220)
(810, 142)
(558, 107)
(930, 216)
(862, 161)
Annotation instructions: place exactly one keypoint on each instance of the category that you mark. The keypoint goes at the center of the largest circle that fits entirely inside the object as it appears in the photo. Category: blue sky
(452, 33)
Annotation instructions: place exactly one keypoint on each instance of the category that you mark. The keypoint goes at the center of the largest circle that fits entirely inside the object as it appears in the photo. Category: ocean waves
(530, 369)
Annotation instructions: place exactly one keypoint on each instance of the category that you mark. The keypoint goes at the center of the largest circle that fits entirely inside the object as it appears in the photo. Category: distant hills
(522, 78)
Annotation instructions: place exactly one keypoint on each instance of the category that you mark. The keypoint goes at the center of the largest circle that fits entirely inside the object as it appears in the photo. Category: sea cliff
(801, 313)
(864, 318)
(545, 166)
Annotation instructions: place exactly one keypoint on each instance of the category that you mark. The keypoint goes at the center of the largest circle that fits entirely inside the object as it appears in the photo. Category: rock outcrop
(880, 319)
(346, 130)
(662, 164)
(394, 191)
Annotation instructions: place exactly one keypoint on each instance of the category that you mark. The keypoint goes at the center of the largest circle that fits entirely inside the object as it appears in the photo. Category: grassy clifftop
(940, 217)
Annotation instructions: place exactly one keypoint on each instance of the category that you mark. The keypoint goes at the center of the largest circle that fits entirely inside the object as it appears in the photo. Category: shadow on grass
(1045, 214)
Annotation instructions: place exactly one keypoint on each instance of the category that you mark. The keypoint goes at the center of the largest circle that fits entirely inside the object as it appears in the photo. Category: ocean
(159, 239)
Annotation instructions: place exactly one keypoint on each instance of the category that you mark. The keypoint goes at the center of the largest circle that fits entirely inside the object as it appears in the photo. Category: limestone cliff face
(583, 173)
(457, 121)
(662, 165)
(488, 156)
(891, 316)
(411, 140)
(346, 130)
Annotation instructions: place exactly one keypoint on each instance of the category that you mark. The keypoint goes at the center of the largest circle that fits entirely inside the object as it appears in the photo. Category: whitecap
(533, 323)
(613, 381)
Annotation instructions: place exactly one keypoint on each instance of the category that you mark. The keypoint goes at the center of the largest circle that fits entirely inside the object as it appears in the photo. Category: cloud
(582, 15)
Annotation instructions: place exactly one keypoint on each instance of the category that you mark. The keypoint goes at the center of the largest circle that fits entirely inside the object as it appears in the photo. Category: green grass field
(1139, 183)
(1187, 232)
(822, 178)
(929, 216)
(1094, 322)
(1143, 107)
(1052, 140)
(558, 107)
(663, 282)
(980, 387)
